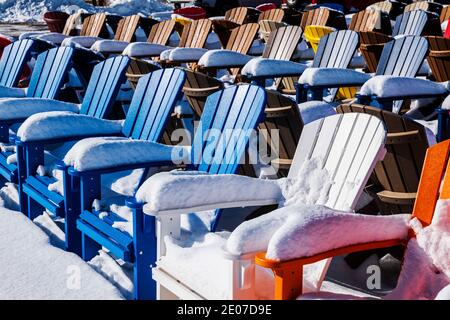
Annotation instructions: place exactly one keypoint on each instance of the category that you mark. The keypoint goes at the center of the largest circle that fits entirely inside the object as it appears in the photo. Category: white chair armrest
(12, 108)
(144, 49)
(109, 46)
(333, 77)
(83, 41)
(265, 68)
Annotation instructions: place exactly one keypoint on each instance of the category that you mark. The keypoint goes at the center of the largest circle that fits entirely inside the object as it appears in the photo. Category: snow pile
(314, 110)
(33, 10)
(38, 270)
(264, 67)
(332, 76)
(144, 49)
(223, 58)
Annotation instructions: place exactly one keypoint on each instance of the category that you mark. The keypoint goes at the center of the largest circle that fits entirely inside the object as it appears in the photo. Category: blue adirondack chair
(100, 95)
(235, 108)
(13, 60)
(152, 103)
(46, 81)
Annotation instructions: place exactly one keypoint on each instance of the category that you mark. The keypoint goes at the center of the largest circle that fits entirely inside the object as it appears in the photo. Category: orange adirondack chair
(434, 185)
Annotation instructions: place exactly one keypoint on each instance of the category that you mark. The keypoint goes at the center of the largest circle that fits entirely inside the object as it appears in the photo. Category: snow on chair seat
(184, 54)
(53, 37)
(10, 92)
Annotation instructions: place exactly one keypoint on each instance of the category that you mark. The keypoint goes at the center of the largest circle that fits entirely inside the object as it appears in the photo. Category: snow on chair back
(104, 84)
(403, 57)
(195, 33)
(282, 43)
(152, 103)
(348, 146)
(336, 49)
(433, 185)
(410, 23)
(13, 61)
(49, 73)
(227, 119)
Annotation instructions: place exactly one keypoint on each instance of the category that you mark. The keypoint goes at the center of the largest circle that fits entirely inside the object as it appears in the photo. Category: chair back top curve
(237, 15)
(160, 33)
(410, 23)
(195, 33)
(13, 60)
(241, 38)
(282, 43)
(93, 25)
(336, 49)
(126, 28)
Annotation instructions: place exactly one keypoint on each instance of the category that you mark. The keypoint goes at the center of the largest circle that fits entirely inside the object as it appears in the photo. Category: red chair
(26, 71)
(447, 31)
(266, 6)
(194, 13)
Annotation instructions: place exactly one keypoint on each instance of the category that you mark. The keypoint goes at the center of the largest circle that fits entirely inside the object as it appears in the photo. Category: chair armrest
(109, 46)
(50, 126)
(53, 37)
(32, 34)
(83, 41)
(22, 108)
(332, 77)
(183, 55)
(223, 59)
(272, 68)
(144, 49)
(12, 92)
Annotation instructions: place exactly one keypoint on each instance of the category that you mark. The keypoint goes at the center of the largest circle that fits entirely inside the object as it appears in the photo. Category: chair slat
(13, 60)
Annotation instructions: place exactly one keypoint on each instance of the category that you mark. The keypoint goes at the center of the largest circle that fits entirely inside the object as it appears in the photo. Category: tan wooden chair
(371, 20)
(233, 18)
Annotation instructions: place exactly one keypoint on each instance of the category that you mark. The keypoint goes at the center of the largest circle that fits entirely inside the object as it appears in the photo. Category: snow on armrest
(53, 37)
(11, 109)
(113, 46)
(32, 34)
(263, 67)
(223, 58)
(178, 192)
(320, 229)
(186, 54)
(165, 55)
(393, 86)
(446, 103)
(332, 76)
(314, 110)
(10, 92)
(305, 54)
(64, 124)
(83, 41)
(257, 48)
(106, 152)
(144, 49)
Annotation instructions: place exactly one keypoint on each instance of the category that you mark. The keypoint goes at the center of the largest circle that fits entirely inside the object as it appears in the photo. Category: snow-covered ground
(32, 10)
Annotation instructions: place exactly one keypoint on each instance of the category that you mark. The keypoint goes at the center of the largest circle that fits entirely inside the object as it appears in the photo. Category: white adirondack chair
(349, 145)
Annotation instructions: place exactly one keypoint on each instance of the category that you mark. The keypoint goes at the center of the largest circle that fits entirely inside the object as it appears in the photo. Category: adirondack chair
(96, 96)
(240, 41)
(371, 20)
(313, 34)
(434, 184)
(320, 139)
(152, 103)
(439, 58)
(445, 14)
(100, 95)
(323, 17)
(388, 8)
(395, 179)
(124, 34)
(396, 61)
(267, 26)
(237, 107)
(424, 6)
(13, 61)
(275, 15)
(232, 19)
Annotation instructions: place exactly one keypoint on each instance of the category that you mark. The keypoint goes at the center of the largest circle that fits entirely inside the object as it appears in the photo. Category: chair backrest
(436, 43)
(403, 56)
(410, 23)
(93, 25)
(71, 23)
(224, 129)
(237, 15)
(336, 49)
(425, 6)
(153, 101)
(49, 73)
(370, 20)
(400, 170)
(434, 182)
(384, 6)
(275, 15)
(104, 86)
(195, 33)
(316, 17)
(445, 14)
(241, 38)
(283, 42)
(267, 26)
(126, 28)
(13, 60)
(349, 145)
(160, 33)
(313, 34)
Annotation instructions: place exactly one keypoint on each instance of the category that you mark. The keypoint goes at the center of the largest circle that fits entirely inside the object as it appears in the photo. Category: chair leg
(34, 156)
(90, 189)
(21, 176)
(72, 212)
(89, 247)
(4, 133)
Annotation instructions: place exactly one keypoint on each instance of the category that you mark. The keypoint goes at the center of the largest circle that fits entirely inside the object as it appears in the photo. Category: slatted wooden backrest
(71, 23)
(137, 69)
(126, 28)
(160, 33)
(384, 6)
(410, 23)
(438, 43)
(439, 58)
(425, 6)
(13, 60)
(152, 103)
(195, 33)
(313, 34)
(445, 14)
(349, 145)
(224, 128)
(406, 146)
(49, 73)
(336, 49)
(237, 15)
(434, 182)
(275, 15)
(93, 25)
(316, 17)
(267, 26)
(104, 86)
(282, 43)
(372, 44)
(403, 56)
(241, 38)
(370, 20)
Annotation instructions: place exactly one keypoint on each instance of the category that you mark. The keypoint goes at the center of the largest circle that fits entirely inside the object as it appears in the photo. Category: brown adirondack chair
(94, 25)
(439, 58)
(445, 14)
(276, 15)
(233, 18)
(371, 20)
(395, 179)
(323, 17)
(372, 44)
(70, 25)
(126, 28)
(267, 26)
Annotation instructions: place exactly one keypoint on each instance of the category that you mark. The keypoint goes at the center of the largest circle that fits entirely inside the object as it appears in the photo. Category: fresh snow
(264, 67)
(53, 37)
(114, 46)
(83, 41)
(12, 108)
(64, 124)
(223, 58)
(144, 49)
(332, 76)
(394, 86)
(446, 103)
(186, 54)
(8, 92)
(314, 110)
(38, 270)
